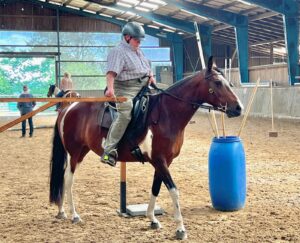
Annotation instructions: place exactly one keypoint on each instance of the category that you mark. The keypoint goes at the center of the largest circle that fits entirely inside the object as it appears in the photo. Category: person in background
(24, 108)
(128, 71)
(66, 85)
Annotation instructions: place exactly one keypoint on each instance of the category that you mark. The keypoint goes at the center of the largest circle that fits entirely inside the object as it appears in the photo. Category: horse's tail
(57, 168)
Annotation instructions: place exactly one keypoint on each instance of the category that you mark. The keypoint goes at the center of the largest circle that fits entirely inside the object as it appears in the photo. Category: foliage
(37, 73)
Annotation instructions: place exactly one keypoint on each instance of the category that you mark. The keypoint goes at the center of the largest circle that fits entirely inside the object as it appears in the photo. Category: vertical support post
(205, 33)
(271, 53)
(242, 49)
(291, 28)
(123, 188)
(178, 57)
(58, 46)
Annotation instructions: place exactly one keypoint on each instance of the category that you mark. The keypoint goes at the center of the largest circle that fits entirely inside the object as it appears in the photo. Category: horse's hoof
(61, 215)
(155, 225)
(76, 220)
(181, 235)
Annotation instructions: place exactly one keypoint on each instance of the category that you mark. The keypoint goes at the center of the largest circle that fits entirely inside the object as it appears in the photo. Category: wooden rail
(51, 102)
(72, 99)
(26, 116)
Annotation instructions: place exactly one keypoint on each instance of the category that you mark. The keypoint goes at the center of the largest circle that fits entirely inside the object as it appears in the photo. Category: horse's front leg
(68, 179)
(151, 206)
(164, 174)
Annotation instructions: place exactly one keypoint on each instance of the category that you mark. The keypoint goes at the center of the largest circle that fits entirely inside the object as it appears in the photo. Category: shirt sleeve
(115, 61)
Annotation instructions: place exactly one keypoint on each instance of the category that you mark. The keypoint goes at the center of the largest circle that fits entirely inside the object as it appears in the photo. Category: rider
(66, 85)
(127, 72)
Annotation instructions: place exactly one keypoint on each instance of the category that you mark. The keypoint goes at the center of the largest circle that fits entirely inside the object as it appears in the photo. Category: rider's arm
(62, 84)
(110, 79)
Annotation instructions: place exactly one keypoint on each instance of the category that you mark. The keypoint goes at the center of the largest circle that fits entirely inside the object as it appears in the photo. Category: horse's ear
(210, 63)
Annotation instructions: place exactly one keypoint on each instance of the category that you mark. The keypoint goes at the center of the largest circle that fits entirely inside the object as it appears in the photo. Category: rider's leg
(116, 132)
(128, 89)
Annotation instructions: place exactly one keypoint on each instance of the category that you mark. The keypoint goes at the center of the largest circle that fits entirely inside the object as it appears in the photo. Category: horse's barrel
(227, 173)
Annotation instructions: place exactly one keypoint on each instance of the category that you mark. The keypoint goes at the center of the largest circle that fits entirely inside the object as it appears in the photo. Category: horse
(77, 132)
(54, 90)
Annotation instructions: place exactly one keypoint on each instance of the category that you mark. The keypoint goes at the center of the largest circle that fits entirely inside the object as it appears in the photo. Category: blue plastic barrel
(227, 173)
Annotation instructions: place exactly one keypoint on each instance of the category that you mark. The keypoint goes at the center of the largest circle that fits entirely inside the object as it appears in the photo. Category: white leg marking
(62, 123)
(68, 187)
(146, 144)
(150, 212)
(177, 213)
(61, 211)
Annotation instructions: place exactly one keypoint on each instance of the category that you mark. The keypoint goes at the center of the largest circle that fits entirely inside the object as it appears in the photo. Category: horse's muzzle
(234, 111)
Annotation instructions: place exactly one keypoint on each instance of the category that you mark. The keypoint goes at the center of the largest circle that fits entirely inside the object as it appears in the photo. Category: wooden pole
(28, 115)
(273, 133)
(71, 99)
(211, 124)
(198, 38)
(215, 122)
(272, 105)
(223, 124)
(249, 106)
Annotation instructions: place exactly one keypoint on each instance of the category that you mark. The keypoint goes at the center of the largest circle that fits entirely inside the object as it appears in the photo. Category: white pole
(225, 67)
(229, 71)
(199, 46)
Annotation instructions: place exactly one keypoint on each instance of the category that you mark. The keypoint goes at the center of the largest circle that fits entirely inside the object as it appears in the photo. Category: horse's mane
(180, 82)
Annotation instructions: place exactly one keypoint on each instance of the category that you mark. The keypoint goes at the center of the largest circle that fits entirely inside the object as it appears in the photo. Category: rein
(195, 104)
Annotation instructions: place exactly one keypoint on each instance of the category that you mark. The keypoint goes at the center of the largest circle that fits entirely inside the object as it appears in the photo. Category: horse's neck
(184, 106)
(56, 91)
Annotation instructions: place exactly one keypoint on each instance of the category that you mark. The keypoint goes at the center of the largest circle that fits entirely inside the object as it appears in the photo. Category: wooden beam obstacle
(52, 102)
(71, 99)
(26, 116)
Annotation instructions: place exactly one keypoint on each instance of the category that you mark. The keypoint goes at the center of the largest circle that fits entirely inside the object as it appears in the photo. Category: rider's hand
(151, 80)
(110, 93)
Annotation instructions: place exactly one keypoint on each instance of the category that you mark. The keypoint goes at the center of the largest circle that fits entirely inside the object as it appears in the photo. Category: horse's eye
(218, 83)
(231, 84)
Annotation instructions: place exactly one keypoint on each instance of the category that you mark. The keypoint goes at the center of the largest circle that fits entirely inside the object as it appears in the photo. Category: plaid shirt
(127, 63)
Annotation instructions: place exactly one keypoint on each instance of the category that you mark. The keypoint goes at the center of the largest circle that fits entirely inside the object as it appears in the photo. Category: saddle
(138, 121)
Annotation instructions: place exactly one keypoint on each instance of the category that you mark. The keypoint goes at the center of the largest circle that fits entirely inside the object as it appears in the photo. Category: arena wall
(286, 101)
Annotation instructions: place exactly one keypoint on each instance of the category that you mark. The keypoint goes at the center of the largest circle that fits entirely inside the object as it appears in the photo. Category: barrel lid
(227, 139)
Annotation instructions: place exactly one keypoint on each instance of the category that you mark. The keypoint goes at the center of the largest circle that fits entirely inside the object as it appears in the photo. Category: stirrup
(110, 158)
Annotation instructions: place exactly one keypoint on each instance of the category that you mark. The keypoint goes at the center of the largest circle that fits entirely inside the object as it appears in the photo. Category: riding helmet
(134, 29)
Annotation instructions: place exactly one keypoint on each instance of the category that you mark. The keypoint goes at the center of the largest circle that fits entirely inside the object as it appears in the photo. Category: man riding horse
(127, 72)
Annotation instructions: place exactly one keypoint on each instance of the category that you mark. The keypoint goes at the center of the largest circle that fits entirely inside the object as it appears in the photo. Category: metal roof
(265, 26)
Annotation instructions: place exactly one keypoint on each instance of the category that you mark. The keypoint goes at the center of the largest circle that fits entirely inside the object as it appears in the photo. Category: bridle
(196, 105)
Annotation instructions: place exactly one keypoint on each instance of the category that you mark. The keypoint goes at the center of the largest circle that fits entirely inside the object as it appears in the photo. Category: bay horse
(77, 132)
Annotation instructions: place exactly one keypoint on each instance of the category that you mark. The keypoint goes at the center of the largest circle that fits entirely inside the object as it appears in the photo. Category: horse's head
(219, 92)
(51, 90)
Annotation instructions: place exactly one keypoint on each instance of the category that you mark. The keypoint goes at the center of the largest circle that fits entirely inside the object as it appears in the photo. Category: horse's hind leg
(155, 224)
(68, 183)
(61, 211)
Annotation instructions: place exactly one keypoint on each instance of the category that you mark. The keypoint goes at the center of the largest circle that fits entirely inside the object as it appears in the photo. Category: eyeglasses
(136, 39)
